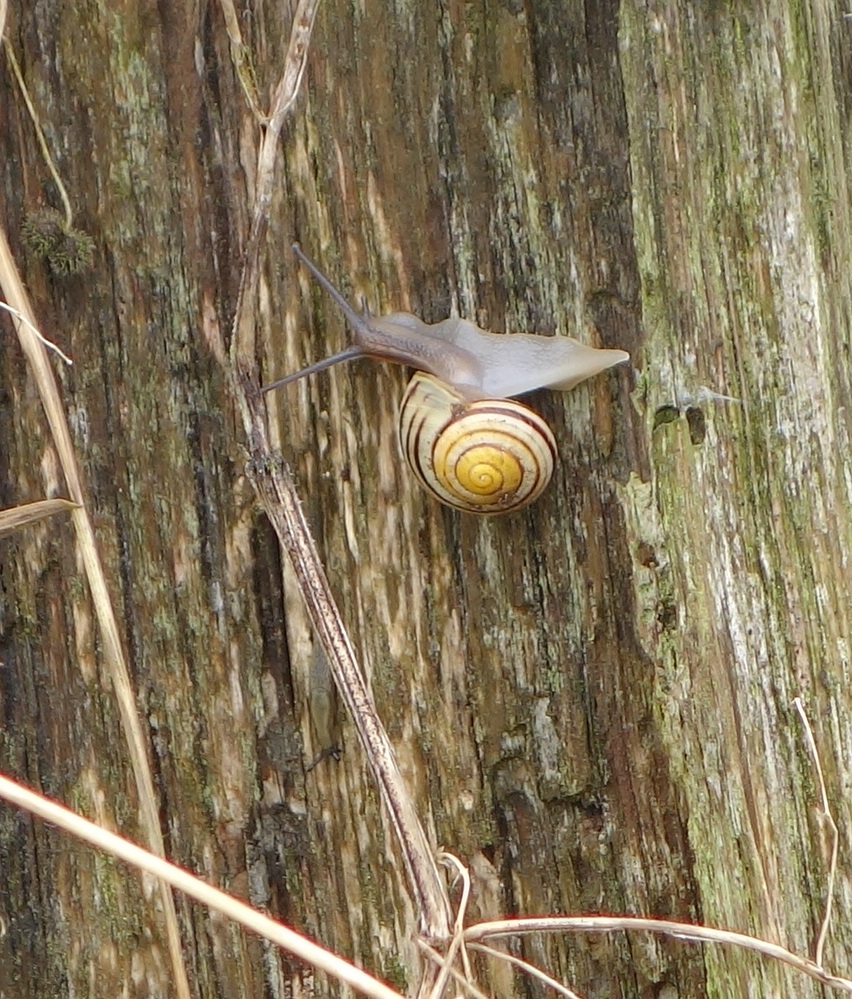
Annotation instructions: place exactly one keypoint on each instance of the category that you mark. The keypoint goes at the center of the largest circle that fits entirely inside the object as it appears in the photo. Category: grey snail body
(468, 443)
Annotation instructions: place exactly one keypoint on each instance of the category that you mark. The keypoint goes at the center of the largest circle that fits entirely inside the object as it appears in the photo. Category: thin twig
(242, 347)
(439, 960)
(681, 931)
(177, 877)
(42, 141)
(241, 59)
(832, 825)
(457, 943)
(48, 343)
(277, 493)
(276, 490)
(18, 517)
(530, 969)
(294, 65)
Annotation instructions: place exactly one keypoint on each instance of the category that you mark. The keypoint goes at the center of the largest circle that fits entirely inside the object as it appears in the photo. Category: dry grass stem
(287, 90)
(45, 380)
(530, 969)
(169, 874)
(42, 141)
(294, 63)
(440, 962)
(277, 493)
(48, 343)
(276, 490)
(242, 59)
(828, 820)
(17, 517)
(457, 943)
(633, 924)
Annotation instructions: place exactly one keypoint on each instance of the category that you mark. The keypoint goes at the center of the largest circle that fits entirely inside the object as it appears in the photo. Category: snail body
(465, 439)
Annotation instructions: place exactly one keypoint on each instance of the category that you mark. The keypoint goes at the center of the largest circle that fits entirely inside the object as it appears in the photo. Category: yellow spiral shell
(489, 456)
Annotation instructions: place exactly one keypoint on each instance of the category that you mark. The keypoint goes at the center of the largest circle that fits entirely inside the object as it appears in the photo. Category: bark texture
(592, 699)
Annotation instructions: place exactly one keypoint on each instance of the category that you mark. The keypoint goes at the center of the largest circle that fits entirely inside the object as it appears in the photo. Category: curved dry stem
(680, 931)
(450, 860)
(457, 943)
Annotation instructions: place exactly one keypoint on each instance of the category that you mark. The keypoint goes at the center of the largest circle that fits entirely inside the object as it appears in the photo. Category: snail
(464, 438)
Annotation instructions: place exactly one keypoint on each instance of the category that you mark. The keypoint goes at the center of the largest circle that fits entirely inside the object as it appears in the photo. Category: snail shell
(488, 456)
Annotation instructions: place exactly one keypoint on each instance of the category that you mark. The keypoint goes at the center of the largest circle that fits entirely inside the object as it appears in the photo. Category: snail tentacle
(402, 338)
(345, 355)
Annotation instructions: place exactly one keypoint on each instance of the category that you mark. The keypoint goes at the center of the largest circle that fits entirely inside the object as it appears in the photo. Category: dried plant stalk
(277, 493)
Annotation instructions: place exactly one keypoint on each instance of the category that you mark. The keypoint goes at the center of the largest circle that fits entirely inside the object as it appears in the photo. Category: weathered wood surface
(592, 700)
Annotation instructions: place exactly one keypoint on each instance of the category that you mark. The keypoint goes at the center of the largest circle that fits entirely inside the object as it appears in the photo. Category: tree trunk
(591, 700)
